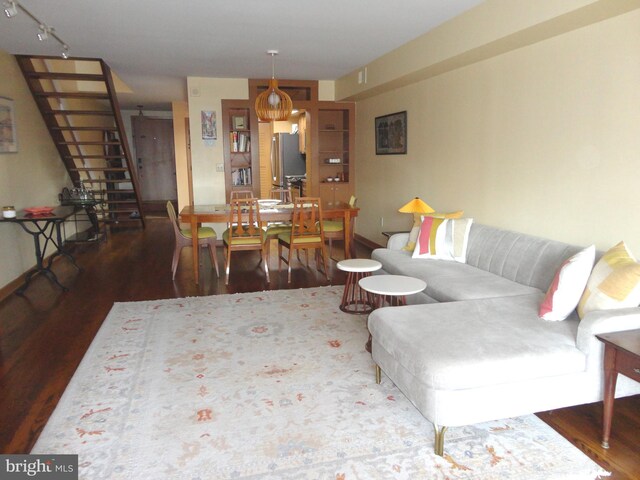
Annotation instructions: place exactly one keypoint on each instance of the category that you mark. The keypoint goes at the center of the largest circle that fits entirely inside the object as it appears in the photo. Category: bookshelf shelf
(241, 169)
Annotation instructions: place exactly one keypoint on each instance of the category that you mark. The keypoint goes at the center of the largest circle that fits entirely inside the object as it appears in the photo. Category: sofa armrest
(397, 241)
(605, 321)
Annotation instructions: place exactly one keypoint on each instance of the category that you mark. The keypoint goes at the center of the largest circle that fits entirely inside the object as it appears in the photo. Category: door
(155, 161)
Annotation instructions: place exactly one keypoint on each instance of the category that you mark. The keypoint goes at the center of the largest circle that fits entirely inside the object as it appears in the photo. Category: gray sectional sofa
(471, 347)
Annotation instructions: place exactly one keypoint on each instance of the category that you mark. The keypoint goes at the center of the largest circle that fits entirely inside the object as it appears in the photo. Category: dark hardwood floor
(44, 335)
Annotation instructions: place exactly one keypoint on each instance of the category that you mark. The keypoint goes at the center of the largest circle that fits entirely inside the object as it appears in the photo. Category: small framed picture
(209, 127)
(8, 136)
(391, 134)
(239, 122)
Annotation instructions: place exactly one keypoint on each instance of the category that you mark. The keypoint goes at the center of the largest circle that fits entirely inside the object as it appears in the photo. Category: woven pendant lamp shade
(273, 104)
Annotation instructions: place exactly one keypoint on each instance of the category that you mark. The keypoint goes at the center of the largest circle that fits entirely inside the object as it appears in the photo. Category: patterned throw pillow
(417, 221)
(443, 238)
(567, 286)
(614, 282)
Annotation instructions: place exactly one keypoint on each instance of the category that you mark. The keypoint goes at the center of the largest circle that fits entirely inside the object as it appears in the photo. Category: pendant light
(273, 104)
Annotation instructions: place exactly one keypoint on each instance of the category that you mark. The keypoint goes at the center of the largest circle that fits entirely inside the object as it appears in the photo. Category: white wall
(34, 176)
(543, 139)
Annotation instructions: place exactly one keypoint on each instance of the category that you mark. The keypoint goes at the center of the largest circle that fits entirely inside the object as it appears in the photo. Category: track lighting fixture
(11, 9)
(43, 33)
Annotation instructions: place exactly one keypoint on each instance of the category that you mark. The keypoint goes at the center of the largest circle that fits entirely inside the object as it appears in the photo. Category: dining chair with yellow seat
(306, 233)
(244, 232)
(276, 228)
(235, 194)
(334, 230)
(206, 237)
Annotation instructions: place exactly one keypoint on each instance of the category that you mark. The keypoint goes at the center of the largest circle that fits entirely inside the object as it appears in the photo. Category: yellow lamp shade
(416, 206)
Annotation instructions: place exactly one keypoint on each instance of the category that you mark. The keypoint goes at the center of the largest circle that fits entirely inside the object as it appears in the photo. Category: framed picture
(8, 137)
(209, 128)
(391, 134)
(239, 122)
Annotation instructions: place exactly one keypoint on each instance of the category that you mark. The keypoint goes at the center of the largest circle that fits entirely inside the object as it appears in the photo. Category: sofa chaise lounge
(471, 347)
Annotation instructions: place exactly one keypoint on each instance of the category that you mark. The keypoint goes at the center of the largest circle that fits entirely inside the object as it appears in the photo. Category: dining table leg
(347, 234)
(195, 249)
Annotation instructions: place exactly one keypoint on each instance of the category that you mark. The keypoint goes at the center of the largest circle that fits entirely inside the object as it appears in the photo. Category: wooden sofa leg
(439, 439)
(378, 374)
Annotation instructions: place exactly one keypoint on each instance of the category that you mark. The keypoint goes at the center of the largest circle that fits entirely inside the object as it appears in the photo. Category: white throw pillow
(568, 285)
(443, 238)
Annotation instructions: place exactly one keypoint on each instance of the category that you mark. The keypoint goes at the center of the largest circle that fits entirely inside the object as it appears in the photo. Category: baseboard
(366, 242)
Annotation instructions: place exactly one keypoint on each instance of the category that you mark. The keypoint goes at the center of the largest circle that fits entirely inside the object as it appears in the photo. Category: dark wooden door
(155, 159)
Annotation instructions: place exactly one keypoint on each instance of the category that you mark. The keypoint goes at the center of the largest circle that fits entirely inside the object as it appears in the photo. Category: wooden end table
(354, 299)
(621, 355)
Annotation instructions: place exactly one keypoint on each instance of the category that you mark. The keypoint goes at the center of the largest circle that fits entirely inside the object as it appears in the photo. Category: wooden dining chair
(334, 230)
(235, 194)
(306, 233)
(276, 228)
(244, 232)
(206, 237)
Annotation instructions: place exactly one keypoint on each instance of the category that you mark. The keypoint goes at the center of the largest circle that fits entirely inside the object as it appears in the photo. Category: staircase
(78, 102)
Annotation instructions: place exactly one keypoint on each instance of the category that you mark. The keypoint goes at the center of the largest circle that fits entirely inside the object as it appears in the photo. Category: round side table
(392, 290)
(354, 299)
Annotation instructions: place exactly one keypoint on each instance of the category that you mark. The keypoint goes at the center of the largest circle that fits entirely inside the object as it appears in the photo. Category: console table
(44, 227)
(621, 355)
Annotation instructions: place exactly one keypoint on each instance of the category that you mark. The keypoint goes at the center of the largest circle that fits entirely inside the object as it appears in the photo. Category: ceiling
(153, 45)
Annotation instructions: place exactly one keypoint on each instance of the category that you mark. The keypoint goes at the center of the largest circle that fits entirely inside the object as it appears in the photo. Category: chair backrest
(307, 213)
(174, 219)
(283, 194)
(241, 194)
(244, 219)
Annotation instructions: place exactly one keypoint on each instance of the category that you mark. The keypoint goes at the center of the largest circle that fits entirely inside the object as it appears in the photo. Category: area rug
(269, 385)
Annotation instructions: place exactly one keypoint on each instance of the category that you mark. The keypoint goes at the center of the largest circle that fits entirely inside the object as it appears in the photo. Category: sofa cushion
(567, 286)
(516, 256)
(443, 238)
(614, 282)
(449, 281)
(477, 343)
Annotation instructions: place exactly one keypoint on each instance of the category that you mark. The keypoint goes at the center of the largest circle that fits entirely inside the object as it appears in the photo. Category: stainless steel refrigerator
(287, 162)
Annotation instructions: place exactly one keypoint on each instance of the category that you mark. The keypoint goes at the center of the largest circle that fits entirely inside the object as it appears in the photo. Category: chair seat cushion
(277, 228)
(332, 226)
(286, 237)
(240, 240)
(203, 232)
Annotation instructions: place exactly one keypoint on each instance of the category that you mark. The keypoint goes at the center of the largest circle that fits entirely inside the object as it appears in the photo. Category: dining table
(195, 215)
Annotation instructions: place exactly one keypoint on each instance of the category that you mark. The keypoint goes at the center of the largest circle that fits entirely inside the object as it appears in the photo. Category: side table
(354, 299)
(621, 355)
(392, 290)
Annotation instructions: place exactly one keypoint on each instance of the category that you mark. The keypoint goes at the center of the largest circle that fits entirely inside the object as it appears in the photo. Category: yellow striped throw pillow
(417, 221)
(614, 282)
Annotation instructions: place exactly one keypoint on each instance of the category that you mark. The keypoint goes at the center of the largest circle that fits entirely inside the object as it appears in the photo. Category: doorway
(155, 162)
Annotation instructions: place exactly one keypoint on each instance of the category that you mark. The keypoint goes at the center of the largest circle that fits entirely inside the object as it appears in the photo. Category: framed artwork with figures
(391, 134)
(8, 137)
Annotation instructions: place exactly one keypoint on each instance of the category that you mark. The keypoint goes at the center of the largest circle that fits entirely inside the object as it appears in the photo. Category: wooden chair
(334, 230)
(276, 228)
(244, 232)
(206, 237)
(235, 194)
(306, 233)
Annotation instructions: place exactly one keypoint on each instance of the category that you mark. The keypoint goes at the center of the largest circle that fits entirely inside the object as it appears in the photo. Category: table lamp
(418, 208)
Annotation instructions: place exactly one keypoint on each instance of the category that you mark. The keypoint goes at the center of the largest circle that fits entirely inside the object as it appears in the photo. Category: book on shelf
(241, 176)
(240, 142)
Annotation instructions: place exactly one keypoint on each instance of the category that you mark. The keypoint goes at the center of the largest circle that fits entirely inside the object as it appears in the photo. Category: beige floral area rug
(269, 385)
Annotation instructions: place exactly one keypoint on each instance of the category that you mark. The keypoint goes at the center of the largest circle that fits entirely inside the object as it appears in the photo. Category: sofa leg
(378, 374)
(439, 439)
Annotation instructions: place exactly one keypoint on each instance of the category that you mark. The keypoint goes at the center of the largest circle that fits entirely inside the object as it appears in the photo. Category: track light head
(10, 9)
(65, 51)
(43, 33)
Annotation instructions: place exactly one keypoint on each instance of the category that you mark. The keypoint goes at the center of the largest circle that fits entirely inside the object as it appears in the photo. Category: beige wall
(542, 139)
(33, 176)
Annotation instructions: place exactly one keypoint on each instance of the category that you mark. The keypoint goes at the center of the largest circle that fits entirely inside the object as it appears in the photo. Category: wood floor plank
(45, 334)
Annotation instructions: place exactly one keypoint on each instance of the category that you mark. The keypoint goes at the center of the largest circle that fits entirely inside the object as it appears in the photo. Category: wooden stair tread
(99, 169)
(87, 77)
(86, 129)
(89, 143)
(89, 95)
(94, 156)
(105, 113)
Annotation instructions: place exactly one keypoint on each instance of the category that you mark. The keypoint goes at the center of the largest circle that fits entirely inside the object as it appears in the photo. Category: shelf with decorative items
(241, 163)
(336, 131)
